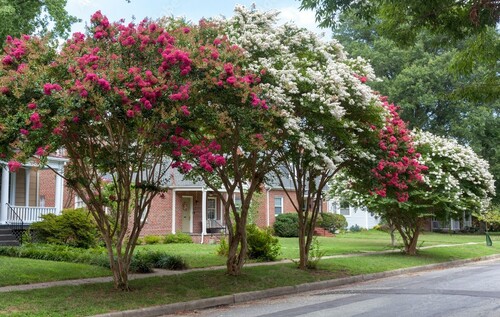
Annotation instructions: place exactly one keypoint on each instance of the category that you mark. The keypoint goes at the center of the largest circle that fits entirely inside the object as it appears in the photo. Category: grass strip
(16, 271)
(100, 298)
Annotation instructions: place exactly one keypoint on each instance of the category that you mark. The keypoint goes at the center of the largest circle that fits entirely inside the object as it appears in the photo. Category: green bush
(178, 238)
(286, 225)
(356, 228)
(145, 261)
(332, 222)
(142, 261)
(62, 253)
(262, 245)
(152, 239)
(223, 248)
(74, 227)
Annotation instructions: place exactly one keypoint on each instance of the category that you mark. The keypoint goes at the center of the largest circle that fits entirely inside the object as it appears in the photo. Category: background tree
(431, 96)
(114, 100)
(457, 181)
(34, 16)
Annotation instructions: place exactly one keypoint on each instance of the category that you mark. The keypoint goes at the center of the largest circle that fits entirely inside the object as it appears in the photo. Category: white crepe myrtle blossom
(302, 73)
(455, 171)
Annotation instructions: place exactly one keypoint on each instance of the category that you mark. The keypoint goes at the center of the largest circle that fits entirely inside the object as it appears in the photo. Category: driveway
(471, 290)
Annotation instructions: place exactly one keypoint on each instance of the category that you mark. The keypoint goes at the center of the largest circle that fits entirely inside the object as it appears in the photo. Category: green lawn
(198, 255)
(100, 298)
(14, 271)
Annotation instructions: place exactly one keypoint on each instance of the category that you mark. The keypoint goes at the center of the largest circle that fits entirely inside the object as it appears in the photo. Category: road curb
(285, 290)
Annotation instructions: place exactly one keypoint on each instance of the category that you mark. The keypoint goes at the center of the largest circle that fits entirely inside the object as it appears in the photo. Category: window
(212, 208)
(237, 202)
(344, 208)
(278, 205)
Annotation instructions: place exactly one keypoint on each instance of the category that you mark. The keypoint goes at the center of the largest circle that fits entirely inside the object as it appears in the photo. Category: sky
(193, 10)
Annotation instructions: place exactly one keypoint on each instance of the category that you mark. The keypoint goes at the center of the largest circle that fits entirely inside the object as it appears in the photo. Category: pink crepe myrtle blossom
(14, 166)
(48, 88)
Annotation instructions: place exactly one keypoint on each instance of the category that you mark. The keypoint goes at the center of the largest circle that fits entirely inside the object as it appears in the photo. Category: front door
(187, 213)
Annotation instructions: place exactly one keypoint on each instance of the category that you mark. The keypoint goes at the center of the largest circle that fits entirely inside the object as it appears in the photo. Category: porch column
(59, 193)
(12, 190)
(4, 197)
(203, 211)
(27, 179)
(173, 211)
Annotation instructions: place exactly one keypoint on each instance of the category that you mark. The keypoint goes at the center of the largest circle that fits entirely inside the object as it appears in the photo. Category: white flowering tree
(457, 180)
(331, 115)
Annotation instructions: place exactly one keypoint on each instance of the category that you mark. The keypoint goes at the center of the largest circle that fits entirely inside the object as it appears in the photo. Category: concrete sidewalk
(160, 272)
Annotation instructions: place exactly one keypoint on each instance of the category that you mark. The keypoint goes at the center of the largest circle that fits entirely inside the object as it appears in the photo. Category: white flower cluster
(455, 170)
(308, 75)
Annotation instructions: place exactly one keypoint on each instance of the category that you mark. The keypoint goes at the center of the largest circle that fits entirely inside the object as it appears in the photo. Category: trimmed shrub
(145, 261)
(61, 253)
(152, 239)
(262, 245)
(178, 238)
(74, 227)
(332, 222)
(142, 261)
(286, 225)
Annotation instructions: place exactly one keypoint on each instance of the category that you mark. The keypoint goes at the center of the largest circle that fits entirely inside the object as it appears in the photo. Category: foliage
(63, 253)
(403, 20)
(456, 180)
(145, 261)
(321, 93)
(315, 255)
(432, 97)
(223, 248)
(355, 228)
(333, 222)
(179, 237)
(262, 245)
(152, 239)
(74, 227)
(236, 132)
(34, 16)
(119, 100)
(286, 225)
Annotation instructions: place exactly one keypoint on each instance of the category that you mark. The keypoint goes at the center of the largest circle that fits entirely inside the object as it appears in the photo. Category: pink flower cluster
(14, 166)
(48, 88)
(35, 121)
(15, 49)
(400, 166)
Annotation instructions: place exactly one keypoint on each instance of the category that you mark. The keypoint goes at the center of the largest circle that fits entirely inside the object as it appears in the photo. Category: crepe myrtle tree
(331, 117)
(115, 100)
(236, 133)
(455, 180)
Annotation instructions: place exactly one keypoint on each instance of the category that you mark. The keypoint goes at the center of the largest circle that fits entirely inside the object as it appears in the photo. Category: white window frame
(212, 210)
(278, 206)
(342, 210)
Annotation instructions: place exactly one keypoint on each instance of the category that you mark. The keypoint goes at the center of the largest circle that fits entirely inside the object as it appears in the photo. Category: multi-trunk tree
(114, 100)
(454, 181)
(332, 117)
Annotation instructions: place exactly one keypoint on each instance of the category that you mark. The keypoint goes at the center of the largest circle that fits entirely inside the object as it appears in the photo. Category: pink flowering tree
(115, 100)
(236, 133)
(393, 184)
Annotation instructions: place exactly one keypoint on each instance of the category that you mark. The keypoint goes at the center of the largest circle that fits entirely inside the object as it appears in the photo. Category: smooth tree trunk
(409, 231)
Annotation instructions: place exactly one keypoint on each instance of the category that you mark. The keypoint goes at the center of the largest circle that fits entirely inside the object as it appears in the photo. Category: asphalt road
(471, 290)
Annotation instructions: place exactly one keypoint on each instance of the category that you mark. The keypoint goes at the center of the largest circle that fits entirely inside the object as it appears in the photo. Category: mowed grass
(101, 298)
(15, 271)
(198, 255)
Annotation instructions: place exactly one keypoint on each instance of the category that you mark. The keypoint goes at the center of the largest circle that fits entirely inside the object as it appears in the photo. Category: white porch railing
(28, 214)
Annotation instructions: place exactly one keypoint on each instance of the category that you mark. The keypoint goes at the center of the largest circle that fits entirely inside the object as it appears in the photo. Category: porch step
(7, 238)
(322, 232)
